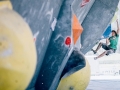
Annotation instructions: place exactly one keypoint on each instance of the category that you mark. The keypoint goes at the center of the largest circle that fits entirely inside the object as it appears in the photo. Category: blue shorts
(108, 49)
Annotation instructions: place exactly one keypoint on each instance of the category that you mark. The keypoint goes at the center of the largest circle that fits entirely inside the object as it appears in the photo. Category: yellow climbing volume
(17, 51)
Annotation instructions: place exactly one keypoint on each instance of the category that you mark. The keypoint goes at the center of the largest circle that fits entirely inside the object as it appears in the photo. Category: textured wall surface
(54, 58)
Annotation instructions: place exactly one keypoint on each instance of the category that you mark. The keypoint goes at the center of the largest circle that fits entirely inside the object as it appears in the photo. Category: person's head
(114, 33)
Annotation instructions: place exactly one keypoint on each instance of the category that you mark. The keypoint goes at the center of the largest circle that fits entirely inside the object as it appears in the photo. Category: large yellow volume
(76, 81)
(17, 52)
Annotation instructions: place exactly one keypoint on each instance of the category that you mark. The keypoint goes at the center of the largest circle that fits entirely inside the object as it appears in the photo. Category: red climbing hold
(84, 2)
(68, 41)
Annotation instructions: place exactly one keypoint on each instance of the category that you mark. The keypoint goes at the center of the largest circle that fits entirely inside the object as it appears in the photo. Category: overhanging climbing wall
(96, 22)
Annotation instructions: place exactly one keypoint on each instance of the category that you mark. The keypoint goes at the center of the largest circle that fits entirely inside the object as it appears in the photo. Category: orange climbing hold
(76, 28)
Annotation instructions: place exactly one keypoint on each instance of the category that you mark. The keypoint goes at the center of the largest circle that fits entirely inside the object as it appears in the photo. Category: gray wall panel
(39, 15)
(96, 22)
